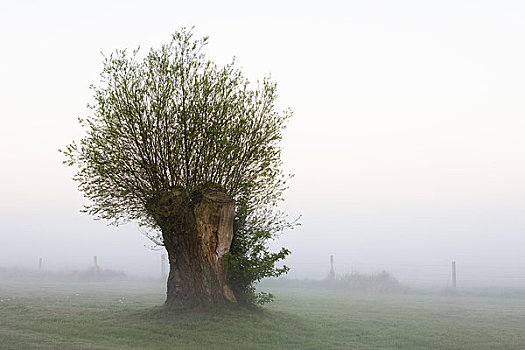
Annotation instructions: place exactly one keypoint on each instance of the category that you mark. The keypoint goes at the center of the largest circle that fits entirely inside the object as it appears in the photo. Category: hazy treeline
(91, 274)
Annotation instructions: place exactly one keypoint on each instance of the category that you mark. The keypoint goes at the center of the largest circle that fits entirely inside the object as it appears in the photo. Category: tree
(191, 152)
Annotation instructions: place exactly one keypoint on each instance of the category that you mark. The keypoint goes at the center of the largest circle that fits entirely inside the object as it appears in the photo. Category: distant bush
(89, 275)
(381, 281)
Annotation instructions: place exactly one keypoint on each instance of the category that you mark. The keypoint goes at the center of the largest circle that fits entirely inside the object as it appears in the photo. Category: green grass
(128, 316)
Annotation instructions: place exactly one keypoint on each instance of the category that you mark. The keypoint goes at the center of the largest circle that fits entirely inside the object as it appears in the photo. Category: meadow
(130, 315)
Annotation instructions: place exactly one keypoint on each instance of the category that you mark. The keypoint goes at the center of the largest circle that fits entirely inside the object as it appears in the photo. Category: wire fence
(413, 273)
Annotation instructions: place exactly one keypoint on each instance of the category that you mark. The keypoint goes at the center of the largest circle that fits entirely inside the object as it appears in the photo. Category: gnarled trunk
(197, 233)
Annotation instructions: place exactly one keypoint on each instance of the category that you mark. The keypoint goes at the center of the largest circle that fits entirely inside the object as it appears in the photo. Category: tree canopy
(172, 120)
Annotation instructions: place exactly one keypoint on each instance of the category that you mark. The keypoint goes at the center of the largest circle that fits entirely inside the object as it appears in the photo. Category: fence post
(163, 266)
(454, 274)
(332, 272)
(40, 265)
(95, 264)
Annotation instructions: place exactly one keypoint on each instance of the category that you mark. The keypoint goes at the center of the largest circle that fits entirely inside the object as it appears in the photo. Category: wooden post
(95, 264)
(163, 266)
(40, 265)
(332, 272)
(454, 274)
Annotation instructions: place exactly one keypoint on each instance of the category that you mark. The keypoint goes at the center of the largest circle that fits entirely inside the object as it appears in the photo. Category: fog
(406, 141)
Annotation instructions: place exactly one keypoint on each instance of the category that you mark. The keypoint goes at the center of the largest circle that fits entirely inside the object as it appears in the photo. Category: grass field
(128, 316)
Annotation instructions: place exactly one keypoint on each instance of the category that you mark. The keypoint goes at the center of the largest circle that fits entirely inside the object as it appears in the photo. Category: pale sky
(407, 140)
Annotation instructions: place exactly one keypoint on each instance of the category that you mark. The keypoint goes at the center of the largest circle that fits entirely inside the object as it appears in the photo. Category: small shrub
(381, 281)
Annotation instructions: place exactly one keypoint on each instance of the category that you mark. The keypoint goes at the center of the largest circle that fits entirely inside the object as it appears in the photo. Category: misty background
(406, 141)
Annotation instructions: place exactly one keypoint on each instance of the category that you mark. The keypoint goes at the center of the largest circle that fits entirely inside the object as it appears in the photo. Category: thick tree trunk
(196, 235)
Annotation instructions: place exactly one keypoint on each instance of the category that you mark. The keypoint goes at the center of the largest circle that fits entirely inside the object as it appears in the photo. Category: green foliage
(249, 258)
(175, 121)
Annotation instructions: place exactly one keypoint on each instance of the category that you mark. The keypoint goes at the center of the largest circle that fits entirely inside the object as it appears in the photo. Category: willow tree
(189, 150)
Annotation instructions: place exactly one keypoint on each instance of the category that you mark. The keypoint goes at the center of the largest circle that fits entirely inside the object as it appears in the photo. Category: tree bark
(197, 234)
